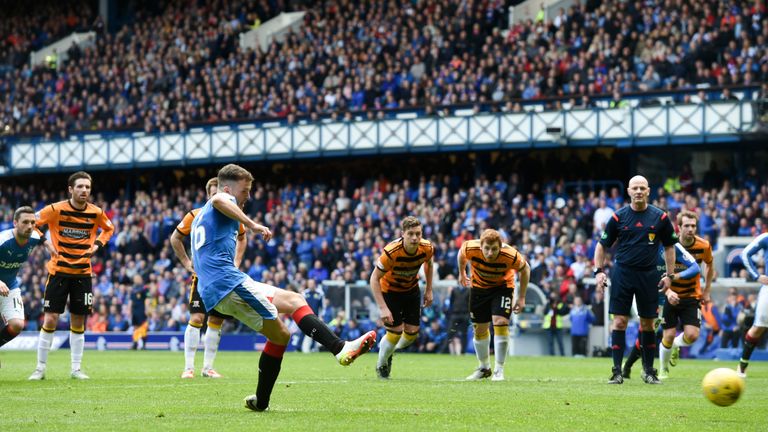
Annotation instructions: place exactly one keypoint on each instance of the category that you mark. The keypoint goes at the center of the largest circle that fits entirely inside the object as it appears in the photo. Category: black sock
(269, 369)
(619, 343)
(313, 327)
(6, 335)
(634, 355)
(648, 344)
(749, 346)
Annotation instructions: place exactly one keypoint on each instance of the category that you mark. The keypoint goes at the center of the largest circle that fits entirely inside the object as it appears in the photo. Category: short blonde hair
(233, 173)
(490, 236)
(212, 182)
(409, 222)
(688, 214)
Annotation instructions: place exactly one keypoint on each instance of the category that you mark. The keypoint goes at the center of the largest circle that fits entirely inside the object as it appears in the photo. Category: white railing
(712, 122)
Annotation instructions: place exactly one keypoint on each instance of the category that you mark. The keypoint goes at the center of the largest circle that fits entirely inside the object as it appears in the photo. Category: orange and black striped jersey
(73, 233)
(185, 226)
(400, 268)
(491, 274)
(701, 251)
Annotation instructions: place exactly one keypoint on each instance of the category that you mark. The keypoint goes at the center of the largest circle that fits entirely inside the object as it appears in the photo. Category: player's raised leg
(311, 325)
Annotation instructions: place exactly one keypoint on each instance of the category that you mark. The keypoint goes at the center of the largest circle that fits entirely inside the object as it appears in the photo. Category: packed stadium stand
(178, 64)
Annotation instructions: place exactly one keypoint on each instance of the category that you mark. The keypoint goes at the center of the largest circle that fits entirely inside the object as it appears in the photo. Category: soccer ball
(722, 386)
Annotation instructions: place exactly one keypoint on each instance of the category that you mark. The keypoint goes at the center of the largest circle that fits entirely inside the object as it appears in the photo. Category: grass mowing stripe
(138, 391)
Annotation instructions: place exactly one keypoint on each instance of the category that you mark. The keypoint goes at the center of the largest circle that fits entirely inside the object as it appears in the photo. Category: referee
(636, 230)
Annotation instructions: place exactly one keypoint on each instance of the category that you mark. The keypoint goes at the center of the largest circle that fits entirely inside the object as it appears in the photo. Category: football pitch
(142, 391)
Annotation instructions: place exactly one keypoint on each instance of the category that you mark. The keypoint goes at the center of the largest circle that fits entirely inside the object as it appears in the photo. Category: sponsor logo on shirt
(75, 233)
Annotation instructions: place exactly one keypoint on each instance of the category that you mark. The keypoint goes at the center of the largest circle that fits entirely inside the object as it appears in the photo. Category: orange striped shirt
(73, 233)
(401, 269)
(492, 274)
(701, 251)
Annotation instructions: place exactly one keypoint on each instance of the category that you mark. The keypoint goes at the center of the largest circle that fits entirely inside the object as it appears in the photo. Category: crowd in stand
(324, 232)
(178, 64)
(27, 27)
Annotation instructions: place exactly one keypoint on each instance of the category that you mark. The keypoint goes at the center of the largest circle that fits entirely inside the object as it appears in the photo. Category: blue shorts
(627, 283)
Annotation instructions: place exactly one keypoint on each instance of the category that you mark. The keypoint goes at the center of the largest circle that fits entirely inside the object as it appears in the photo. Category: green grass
(135, 391)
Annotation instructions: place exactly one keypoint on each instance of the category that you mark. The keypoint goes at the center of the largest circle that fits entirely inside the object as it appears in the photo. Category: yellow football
(722, 386)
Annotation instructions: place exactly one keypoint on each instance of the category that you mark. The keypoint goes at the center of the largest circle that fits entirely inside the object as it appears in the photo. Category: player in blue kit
(753, 335)
(15, 245)
(231, 292)
(637, 230)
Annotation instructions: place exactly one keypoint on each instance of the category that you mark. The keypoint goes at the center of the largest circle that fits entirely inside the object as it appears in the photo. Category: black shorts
(642, 285)
(487, 302)
(687, 312)
(196, 303)
(76, 288)
(405, 307)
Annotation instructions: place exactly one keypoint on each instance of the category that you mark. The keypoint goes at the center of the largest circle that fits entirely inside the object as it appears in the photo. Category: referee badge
(651, 236)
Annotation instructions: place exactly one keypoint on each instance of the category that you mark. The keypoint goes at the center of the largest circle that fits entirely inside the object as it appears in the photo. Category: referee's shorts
(628, 282)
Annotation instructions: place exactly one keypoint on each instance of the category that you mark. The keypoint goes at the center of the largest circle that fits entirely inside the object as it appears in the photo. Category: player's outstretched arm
(231, 210)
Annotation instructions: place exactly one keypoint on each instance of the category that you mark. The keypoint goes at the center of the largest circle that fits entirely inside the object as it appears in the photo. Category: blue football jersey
(13, 255)
(213, 239)
(757, 244)
(685, 263)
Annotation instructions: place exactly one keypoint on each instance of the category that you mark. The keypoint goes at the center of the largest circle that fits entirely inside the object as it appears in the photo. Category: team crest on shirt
(651, 237)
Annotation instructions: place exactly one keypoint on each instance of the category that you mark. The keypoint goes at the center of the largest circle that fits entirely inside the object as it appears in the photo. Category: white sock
(191, 341)
(76, 346)
(386, 348)
(43, 347)
(212, 338)
(664, 354)
(500, 346)
(680, 341)
(306, 344)
(482, 349)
